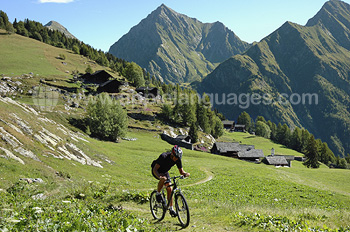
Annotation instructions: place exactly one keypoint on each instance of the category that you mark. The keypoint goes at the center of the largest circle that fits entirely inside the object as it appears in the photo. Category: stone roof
(227, 147)
(253, 153)
(277, 160)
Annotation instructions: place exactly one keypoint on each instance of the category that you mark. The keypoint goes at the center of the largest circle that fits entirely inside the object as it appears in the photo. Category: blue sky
(100, 23)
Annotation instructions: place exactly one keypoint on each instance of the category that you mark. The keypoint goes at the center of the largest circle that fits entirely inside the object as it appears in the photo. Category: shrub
(62, 56)
(106, 119)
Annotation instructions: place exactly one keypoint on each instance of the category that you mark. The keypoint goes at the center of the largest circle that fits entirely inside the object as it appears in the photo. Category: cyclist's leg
(162, 180)
(169, 189)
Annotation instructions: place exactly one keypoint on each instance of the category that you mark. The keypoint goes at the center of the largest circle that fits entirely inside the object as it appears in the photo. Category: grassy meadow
(25, 55)
(235, 195)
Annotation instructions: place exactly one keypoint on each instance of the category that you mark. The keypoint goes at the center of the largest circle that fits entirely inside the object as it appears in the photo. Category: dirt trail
(209, 177)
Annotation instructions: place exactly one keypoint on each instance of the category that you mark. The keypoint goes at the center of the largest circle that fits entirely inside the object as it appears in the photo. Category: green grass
(30, 59)
(39, 58)
(238, 191)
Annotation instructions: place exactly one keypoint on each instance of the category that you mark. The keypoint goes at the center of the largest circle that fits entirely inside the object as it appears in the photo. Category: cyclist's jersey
(166, 163)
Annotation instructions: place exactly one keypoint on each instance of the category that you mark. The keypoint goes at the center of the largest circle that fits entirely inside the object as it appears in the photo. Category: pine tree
(296, 139)
(273, 129)
(305, 135)
(311, 154)
(202, 118)
(193, 132)
(347, 158)
(167, 112)
(326, 155)
(188, 114)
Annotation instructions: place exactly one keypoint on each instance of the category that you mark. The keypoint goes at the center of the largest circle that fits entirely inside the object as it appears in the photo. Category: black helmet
(177, 151)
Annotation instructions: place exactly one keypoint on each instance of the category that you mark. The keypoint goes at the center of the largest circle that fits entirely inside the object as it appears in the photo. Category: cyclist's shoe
(172, 212)
(159, 198)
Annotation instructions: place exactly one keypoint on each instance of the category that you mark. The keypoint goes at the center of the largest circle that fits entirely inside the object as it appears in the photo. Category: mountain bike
(158, 210)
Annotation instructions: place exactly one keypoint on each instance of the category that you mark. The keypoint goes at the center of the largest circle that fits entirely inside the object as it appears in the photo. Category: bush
(62, 56)
(106, 119)
(262, 129)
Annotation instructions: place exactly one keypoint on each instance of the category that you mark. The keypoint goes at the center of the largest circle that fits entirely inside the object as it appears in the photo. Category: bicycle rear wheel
(183, 212)
(157, 209)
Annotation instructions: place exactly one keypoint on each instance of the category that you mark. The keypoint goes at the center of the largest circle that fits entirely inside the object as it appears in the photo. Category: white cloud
(56, 1)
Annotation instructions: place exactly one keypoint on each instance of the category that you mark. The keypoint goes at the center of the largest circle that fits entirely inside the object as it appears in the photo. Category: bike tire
(157, 209)
(182, 210)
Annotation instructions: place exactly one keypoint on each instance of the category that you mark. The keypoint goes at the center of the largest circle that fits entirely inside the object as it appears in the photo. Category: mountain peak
(335, 9)
(53, 25)
(177, 48)
(164, 11)
(334, 17)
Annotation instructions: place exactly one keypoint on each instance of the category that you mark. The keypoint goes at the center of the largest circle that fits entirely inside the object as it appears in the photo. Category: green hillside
(223, 193)
(25, 55)
(91, 185)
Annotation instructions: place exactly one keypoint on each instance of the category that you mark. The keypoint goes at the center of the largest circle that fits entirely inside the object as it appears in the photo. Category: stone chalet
(236, 150)
(148, 92)
(232, 126)
(111, 86)
(228, 125)
(98, 77)
(279, 160)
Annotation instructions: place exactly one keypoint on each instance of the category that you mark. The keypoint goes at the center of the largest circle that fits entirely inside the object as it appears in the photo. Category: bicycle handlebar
(178, 177)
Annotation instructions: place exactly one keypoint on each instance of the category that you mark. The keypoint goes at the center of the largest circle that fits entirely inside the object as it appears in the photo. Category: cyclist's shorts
(162, 174)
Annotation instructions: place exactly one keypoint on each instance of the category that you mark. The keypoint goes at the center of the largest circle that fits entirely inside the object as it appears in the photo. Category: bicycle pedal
(172, 213)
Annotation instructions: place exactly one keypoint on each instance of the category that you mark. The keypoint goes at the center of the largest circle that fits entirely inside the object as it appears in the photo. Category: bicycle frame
(175, 189)
(158, 209)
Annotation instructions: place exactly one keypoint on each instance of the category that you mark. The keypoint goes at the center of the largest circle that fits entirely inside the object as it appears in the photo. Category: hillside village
(102, 81)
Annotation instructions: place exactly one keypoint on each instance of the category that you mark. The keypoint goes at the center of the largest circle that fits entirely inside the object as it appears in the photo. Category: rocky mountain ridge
(176, 48)
(293, 62)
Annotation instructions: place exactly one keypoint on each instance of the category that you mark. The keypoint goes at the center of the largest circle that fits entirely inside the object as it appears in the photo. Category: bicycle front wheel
(157, 209)
(183, 212)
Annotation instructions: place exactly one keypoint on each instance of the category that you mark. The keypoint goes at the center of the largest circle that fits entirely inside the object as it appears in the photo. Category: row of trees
(186, 108)
(300, 140)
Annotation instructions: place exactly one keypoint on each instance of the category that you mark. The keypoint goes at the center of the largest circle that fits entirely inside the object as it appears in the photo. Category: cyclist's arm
(155, 170)
(182, 172)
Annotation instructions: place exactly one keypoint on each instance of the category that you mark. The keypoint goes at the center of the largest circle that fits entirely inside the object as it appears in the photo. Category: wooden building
(236, 150)
(98, 77)
(277, 160)
(110, 86)
(228, 125)
(239, 128)
(148, 92)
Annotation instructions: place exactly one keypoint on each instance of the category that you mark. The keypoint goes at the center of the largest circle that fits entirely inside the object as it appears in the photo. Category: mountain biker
(160, 168)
